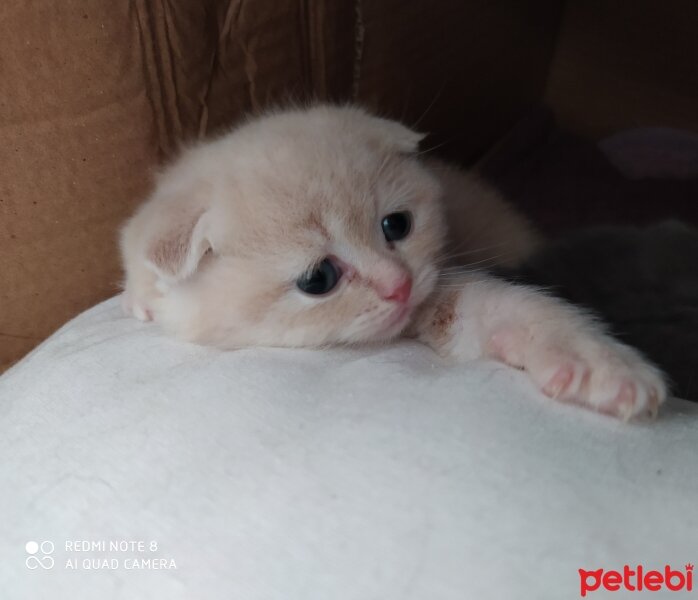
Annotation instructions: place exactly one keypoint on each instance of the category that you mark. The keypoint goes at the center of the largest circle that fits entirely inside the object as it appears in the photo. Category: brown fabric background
(94, 94)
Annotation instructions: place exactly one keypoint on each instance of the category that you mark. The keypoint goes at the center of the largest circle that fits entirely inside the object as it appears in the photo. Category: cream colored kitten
(324, 226)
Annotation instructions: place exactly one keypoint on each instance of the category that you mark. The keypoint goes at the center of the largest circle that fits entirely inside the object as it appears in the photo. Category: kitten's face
(324, 229)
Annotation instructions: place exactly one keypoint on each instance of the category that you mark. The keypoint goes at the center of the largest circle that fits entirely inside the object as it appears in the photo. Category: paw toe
(634, 397)
(560, 381)
(624, 403)
(134, 308)
(142, 313)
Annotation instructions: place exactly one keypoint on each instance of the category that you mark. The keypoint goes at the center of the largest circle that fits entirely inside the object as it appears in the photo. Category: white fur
(567, 353)
(214, 255)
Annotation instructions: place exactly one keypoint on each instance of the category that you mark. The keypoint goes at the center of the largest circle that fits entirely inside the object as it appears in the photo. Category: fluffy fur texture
(642, 281)
(215, 254)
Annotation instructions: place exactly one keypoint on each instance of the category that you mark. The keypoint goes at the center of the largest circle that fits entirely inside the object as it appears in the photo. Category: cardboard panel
(78, 138)
(623, 64)
(271, 53)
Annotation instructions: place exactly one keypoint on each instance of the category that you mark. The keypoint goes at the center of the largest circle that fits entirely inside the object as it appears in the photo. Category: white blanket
(270, 474)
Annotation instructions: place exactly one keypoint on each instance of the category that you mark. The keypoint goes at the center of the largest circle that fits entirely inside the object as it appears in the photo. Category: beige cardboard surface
(78, 139)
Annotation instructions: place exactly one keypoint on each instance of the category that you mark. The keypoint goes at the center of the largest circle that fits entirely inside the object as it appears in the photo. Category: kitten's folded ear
(177, 235)
(400, 137)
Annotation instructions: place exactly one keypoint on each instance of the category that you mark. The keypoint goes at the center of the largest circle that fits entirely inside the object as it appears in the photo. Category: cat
(324, 225)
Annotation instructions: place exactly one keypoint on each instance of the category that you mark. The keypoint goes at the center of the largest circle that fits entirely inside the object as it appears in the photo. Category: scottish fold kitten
(319, 226)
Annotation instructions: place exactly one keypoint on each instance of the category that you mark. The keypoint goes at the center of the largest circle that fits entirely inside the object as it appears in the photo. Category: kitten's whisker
(492, 260)
(449, 256)
(430, 106)
(427, 150)
(475, 250)
(461, 271)
(462, 284)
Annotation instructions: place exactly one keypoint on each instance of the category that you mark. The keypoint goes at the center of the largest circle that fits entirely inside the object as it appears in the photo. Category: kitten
(321, 226)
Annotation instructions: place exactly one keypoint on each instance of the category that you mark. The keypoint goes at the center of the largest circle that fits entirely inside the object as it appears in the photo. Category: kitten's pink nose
(400, 292)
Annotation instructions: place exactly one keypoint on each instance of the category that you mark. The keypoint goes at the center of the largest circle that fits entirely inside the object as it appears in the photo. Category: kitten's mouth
(397, 319)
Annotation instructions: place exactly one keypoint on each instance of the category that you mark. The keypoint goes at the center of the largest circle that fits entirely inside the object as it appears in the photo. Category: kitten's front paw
(138, 307)
(590, 369)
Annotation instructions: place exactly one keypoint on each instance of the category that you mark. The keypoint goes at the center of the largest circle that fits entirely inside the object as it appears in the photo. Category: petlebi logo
(39, 555)
(637, 579)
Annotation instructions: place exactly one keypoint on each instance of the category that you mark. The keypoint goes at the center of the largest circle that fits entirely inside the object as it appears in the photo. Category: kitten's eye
(396, 226)
(320, 281)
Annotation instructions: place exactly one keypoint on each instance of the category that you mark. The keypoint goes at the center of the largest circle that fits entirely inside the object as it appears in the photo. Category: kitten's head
(300, 228)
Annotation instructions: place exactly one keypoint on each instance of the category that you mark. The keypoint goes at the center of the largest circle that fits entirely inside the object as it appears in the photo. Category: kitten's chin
(394, 324)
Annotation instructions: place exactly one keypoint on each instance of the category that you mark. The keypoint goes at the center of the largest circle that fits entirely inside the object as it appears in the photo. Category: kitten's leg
(567, 354)
(140, 286)
(140, 293)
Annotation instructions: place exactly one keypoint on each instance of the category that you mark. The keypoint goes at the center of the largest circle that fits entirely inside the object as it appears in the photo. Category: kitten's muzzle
(400, 292)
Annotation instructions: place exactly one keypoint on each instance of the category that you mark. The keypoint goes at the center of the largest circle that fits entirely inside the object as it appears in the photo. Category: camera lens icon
(44, 559)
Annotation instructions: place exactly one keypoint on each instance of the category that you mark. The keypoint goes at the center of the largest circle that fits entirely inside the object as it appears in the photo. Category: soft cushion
(345, 474)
